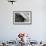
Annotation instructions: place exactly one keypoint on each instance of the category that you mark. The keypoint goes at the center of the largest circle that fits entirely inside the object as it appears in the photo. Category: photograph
(22, 17)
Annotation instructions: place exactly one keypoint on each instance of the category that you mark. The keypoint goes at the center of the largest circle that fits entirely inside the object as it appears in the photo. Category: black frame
(22, 23)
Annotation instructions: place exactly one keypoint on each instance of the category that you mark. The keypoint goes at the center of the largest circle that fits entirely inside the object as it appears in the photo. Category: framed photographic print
(22, 17)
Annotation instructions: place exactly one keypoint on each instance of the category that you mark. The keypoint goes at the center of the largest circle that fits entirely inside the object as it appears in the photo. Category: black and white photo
(22, 17)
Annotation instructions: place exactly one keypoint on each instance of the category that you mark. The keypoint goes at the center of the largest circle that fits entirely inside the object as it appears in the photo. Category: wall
(9, 31)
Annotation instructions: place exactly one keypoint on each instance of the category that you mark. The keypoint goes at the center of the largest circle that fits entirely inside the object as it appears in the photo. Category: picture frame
(22, 17)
